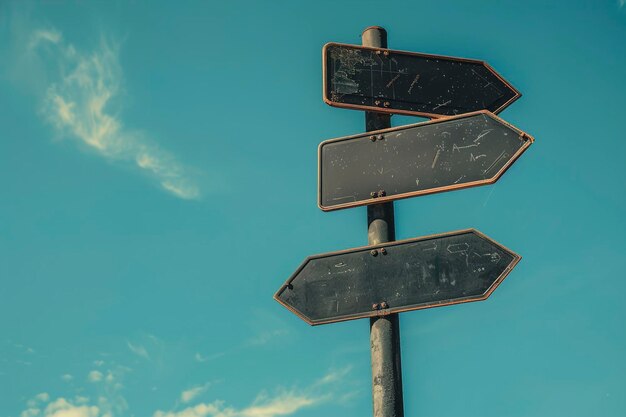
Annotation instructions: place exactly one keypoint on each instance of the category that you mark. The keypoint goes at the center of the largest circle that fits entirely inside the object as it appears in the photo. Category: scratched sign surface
(410, 83)
(440, 155)
(407, 275)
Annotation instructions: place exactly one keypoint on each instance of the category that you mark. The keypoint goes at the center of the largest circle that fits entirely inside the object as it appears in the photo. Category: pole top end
(374, 36)
(378, 28)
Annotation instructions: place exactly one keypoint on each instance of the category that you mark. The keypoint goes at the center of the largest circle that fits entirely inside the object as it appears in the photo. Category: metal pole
(385, 330)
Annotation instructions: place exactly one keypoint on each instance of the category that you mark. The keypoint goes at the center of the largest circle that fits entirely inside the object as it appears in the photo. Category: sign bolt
(380, 137)
(373, 194)
(383, 251)
(384, 304)
(386, 53)
(377, 102)
(386, 104)
(374, 252)
(381, 193)
(373, 138)
(375, 306)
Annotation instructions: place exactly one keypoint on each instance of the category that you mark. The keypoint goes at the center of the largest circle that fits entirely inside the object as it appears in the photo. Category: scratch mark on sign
(393, 80)
(474, 158)
(442, 104)
(458, 248)
(417, 77)
(483, 133)
(455, 147)
(494, 162)
(460, 178)
(493, 257)
(340, 265)
(350, 197)
(435, 159)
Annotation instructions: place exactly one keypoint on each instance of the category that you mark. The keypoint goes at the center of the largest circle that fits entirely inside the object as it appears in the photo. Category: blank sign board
(441, 155)
(390, 81)
(413, 274)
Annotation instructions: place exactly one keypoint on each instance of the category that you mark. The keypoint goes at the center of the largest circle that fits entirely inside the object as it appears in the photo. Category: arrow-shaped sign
(417, 84)
(398, 276)
(440, 155)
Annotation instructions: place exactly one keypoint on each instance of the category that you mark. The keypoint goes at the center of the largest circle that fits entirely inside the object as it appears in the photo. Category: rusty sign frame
(392, 310)
(382, 108)
(377, 200)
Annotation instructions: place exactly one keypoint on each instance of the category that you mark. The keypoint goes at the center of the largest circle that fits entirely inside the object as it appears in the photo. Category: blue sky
(158, 184)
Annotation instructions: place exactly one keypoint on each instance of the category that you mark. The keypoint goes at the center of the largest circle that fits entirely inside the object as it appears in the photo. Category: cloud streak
(138, 350)
(80, 103)
(329, 388)
(281, 405)
(188, 395)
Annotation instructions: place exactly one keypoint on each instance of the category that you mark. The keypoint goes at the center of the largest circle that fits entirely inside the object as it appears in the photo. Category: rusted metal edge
(528, 140)
(391, 310)
(364, 107)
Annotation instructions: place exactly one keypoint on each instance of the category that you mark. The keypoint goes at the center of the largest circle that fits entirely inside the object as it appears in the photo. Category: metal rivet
(386, 53)
(374, 252)
(373, 138)
(377, 102)
(375, 306)
(373, 194)
(380, 137)
(377, 52)
(383, 305)
(381, 193)
(383, 251)
(386, 104)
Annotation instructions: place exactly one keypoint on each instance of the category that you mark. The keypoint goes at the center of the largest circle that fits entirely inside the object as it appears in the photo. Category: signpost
(382, 80)
(398, 276)
(466, 146)
(441, 155)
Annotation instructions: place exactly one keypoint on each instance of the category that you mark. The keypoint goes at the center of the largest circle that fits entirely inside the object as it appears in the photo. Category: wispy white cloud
(621, 3)
(283, 404)
(44, 35)
(330, 387)
(64, 408)
(30, 412)
(200, 410)
(43, 396)
(334, 375)
(138, 350)
(95, 376)
(83, 101)
(190, 394)
(34, 402)
(201, 358)
(267, 336)
(67, 377)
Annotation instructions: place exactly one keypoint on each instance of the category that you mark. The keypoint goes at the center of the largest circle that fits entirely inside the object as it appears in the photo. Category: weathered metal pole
(385, 330)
